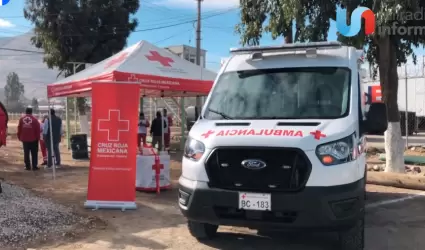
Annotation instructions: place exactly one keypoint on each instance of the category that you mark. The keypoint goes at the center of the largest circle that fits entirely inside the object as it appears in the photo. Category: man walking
(56, 133)
(29, 134)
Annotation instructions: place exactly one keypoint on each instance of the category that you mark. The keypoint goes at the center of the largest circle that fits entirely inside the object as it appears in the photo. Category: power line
(11, 55)
(141, 30)
(22, 50)
(172, 36)
(164, 25)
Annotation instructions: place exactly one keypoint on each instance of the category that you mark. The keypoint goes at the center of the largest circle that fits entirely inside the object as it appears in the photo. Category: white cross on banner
(113, 125)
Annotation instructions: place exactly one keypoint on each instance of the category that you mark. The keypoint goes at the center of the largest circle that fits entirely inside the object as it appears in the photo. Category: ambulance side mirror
(376, 119)
(190, 117)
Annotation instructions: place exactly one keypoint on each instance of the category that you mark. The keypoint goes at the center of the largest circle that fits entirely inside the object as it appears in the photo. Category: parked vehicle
(280, 144)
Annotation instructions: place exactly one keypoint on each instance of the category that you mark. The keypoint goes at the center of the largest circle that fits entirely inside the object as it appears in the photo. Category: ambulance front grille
(288, 169)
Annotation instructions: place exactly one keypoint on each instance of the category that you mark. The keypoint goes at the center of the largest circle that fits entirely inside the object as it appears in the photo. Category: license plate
(255, 201)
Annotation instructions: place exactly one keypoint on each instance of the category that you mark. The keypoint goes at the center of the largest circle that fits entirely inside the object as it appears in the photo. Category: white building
(188, 53)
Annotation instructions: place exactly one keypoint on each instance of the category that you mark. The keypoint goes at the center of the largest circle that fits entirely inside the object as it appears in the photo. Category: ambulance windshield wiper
(221, 114)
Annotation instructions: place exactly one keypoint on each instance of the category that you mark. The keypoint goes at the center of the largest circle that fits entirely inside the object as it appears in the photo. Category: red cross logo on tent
(133, 78)
(113, 125)
(317, 134)
(116, 60)
(156, 57)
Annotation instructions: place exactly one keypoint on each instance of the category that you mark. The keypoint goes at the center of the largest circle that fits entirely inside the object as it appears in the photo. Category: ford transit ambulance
(280, 144)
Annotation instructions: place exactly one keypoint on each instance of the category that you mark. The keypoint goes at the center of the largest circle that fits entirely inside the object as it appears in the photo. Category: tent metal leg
(68, 124)
(183, 123)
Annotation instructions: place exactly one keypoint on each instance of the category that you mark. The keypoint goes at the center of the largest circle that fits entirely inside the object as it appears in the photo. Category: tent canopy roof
(159, 72)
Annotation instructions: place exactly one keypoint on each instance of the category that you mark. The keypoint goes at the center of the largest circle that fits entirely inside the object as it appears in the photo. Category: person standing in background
(29, 134)
(43, 148)
(143, 129)
(4, 119)
(157, 129)
(56, 133)
(167, 131)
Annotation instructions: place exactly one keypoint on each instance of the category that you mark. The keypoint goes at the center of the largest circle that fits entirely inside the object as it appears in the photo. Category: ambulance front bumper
(315, 208)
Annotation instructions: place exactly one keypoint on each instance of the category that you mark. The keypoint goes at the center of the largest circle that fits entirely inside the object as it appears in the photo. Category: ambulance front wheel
(353, 238)
(202, 231)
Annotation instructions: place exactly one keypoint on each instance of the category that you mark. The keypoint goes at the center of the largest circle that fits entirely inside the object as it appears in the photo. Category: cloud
(6, 24)
(206, 4)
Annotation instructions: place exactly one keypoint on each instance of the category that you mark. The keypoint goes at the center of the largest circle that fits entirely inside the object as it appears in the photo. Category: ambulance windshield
(290, 93)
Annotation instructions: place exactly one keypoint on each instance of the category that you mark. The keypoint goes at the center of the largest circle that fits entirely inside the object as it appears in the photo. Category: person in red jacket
(29, 131)
(3, 125)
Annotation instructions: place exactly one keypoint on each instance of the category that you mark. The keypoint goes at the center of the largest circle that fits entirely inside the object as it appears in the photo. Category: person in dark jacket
(56, 132)
(29, 134)
(4, 119)
(157, 128)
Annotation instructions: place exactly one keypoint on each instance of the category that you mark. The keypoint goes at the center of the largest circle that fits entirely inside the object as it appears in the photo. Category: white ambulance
(280, 145)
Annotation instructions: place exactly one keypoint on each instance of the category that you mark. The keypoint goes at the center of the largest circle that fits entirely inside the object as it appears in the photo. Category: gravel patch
(25, 217)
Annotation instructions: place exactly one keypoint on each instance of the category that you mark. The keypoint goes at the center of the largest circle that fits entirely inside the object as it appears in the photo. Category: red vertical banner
(112, 174)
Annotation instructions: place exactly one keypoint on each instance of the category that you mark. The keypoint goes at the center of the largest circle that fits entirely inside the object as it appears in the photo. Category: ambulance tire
(202, 231)
(353, 238)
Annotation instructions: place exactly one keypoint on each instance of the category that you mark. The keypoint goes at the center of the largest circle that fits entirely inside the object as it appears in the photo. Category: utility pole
(198, 54)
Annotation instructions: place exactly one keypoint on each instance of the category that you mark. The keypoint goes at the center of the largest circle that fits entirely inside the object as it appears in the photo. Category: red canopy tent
(159, 72)
(116, 85)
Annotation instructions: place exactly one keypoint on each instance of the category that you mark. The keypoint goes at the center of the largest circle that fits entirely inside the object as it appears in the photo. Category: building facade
(188, 53)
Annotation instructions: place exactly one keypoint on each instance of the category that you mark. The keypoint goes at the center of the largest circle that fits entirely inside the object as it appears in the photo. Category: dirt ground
(395, 218)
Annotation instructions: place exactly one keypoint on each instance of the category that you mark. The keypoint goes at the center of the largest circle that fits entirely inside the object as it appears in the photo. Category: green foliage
(311, 19)
(14, 89)
(80, 30)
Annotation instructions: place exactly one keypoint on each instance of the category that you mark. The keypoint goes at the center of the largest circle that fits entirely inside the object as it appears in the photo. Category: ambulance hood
(303, 134)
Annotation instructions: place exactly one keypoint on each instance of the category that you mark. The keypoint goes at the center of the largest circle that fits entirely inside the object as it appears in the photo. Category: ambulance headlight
(336, 152)
(193, 149)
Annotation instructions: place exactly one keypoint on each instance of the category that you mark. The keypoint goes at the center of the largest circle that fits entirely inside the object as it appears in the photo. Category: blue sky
(217, 34)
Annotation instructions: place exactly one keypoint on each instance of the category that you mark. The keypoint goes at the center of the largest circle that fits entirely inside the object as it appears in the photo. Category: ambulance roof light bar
(288, 47)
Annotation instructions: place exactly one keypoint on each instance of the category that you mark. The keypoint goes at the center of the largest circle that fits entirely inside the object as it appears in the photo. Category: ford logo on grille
(253, 164)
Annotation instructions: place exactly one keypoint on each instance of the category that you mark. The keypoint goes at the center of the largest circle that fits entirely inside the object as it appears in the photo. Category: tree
(80, 31)
(34, 104)
(14, 89)
(284, 15)
(384, 51)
